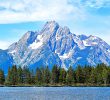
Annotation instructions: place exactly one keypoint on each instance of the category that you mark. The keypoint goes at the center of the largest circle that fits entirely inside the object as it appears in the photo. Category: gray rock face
(57, 45)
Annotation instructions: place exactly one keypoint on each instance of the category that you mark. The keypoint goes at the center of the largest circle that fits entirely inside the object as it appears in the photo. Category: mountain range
(55, 45)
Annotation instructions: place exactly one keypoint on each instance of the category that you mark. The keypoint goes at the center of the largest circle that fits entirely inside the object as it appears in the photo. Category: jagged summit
(57, 45)
(50, 25)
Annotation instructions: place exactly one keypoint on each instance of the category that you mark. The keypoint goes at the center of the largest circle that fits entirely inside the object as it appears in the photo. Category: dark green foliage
(79, 75)
(32, 78)
(38, 76)
(87, 73)
(93, 76)
(12, 77)
(47, 75)
(105, 74)
(70, 77)
(9, 77)
(2, 77)
(55, 74)
(20, 75)
(83, 75)
(26, 76)
(102, 74)
(62, 77)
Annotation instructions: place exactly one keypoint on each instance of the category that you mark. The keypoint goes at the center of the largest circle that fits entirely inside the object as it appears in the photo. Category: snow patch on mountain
(38, 43)
(108, 50)
(64, 56)
(85, 43)
(79, 42)
(12, 52)
(79, 58)
(58, 37)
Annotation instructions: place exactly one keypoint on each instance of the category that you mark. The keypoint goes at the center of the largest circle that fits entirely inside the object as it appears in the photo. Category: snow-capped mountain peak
(58, 45)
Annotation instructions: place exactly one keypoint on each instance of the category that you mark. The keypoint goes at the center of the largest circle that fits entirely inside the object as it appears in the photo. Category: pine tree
(14, 75)
(79, 75)
(87, 73)
(8, 80)
(26, 75)
(42, 69)
(2, 77)
(20, 75)
(70, 78)
(55, 74)
(99, 69)
(46, 75)
(62, 77)
(32, 81)
(38, 76)
(105, 74)
(93, 76)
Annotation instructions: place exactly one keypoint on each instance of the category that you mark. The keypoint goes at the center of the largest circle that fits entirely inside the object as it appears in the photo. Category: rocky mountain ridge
(56, 45)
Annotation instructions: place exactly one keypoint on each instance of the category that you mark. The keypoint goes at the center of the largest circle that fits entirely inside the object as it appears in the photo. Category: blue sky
(90, 17)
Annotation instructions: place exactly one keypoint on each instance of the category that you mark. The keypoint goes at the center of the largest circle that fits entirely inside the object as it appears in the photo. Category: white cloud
(4, 44)
(97, 3)
(40, 10)
(35, 10)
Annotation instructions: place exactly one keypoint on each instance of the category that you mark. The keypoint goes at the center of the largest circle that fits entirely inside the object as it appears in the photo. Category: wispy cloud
(39, 10)
(97, 3)
(4, 44)
(34, 10)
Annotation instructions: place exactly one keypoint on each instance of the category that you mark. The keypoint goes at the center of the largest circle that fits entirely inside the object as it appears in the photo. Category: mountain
(56, 45)
(6, 60)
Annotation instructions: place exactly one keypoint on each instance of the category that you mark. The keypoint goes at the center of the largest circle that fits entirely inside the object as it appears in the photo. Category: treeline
(82, 75)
